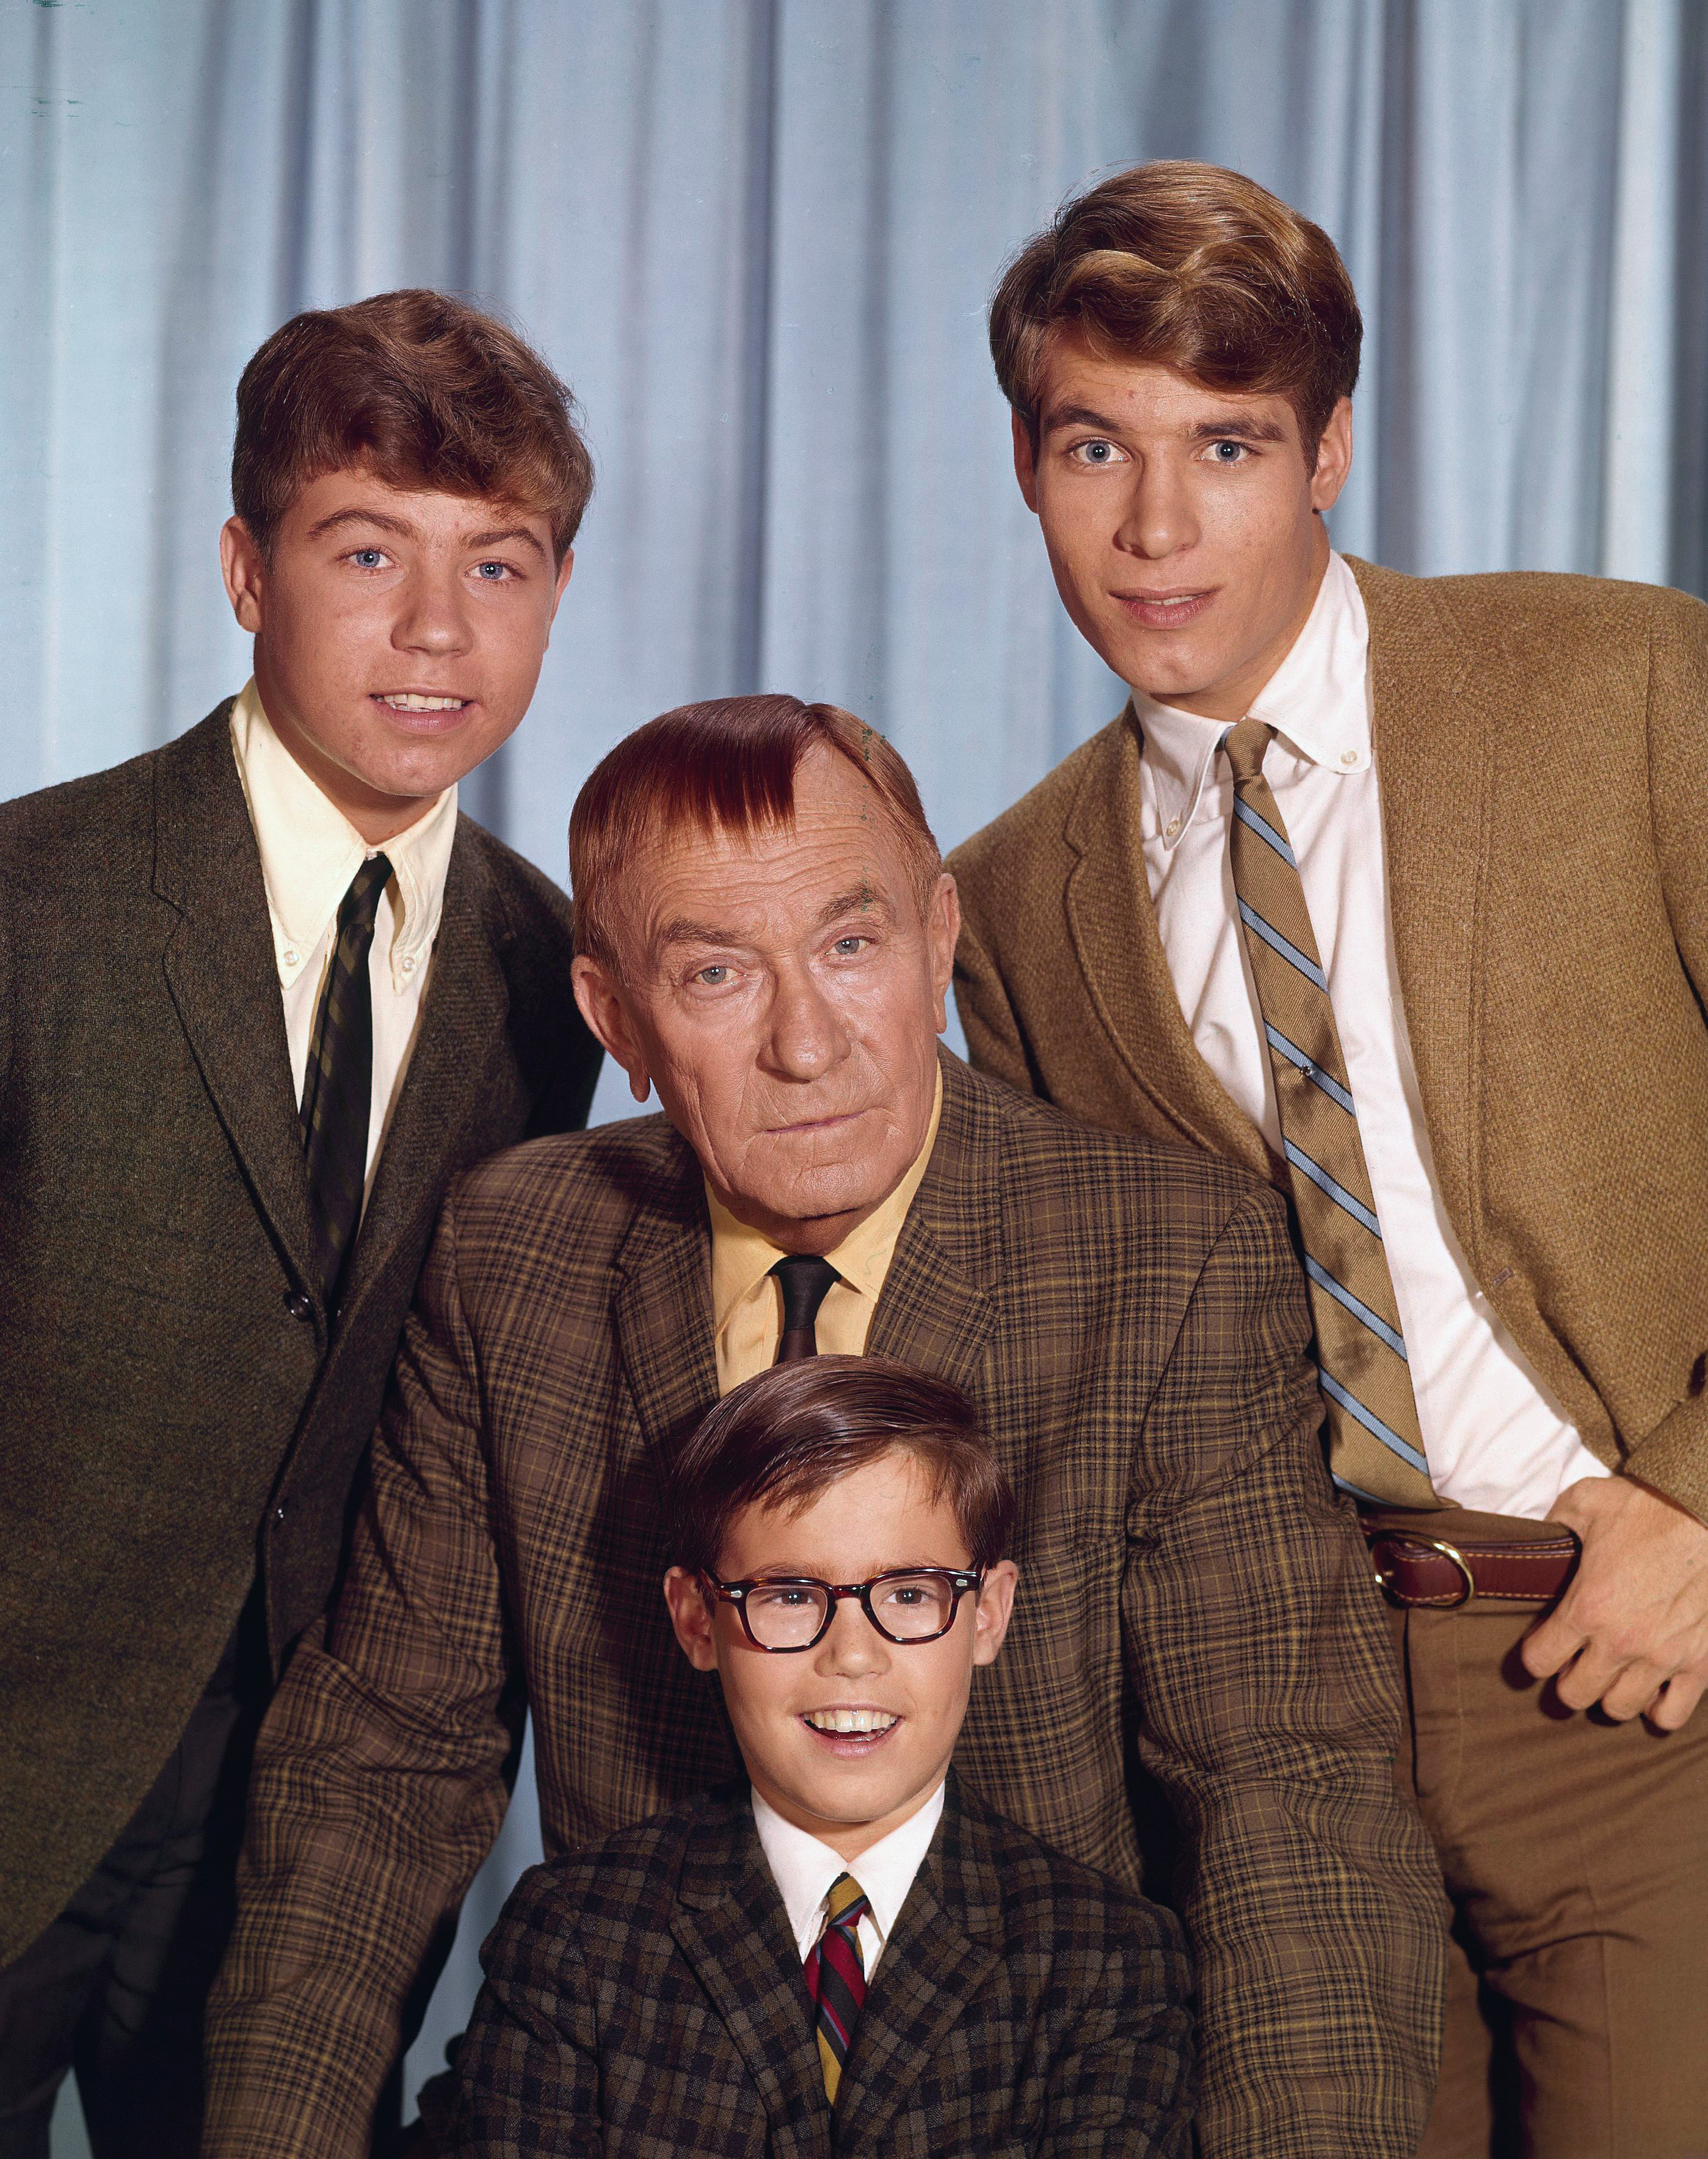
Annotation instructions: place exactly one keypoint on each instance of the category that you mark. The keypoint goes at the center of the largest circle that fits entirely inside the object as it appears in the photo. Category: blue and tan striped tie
(340, 1079)
(1375, 1448)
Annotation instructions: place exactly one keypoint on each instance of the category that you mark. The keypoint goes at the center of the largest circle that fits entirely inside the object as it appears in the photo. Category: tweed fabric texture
(1542, 743)
(1375, 1447)
(1031, 2006)
(338, 1079)
(1199, 1660)
(168, 1420)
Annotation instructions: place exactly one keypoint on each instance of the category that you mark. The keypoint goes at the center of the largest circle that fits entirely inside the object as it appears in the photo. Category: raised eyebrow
(382, 519)
(1239, 427)
(868, 900)
(1078, 416)
(478, 540)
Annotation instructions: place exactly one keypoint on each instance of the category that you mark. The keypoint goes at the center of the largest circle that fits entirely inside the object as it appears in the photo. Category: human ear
(1334, 458)
(601, 1007)
(691, 1616)
(558, 590)
(241, 567)
(995, 1609)
(943, 928)
(1025, 461)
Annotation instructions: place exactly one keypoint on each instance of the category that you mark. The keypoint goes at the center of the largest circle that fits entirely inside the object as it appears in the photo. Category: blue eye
(1227, 453)
(367, 558)
(489, 573)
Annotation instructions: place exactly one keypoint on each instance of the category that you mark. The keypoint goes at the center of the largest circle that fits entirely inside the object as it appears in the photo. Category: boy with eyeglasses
(846, 1948)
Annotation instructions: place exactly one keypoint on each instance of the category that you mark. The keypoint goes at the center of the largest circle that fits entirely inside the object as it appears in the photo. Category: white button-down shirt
(1495, 1440)
(804, 1870)
(309, 852)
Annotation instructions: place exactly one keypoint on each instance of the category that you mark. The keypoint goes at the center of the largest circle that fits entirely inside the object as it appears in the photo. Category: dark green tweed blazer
(167, 1422)
(1198, 1640)
(647, 1996)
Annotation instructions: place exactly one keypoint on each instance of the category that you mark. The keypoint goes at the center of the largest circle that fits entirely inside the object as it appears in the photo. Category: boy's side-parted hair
(726, 765)
(421, 389)
(1189, 266)
(783, 1437)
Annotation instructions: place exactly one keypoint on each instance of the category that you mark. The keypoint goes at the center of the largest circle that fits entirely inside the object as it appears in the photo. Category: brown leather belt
(1413, 1569)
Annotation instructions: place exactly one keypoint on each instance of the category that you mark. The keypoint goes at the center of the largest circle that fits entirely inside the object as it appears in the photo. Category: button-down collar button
(290, 955)
(407, 963)
(1171, 830)
(1348, 756)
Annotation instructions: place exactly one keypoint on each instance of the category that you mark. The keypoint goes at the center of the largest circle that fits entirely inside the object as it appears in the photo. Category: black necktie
(804, 1278)
(339, 1080)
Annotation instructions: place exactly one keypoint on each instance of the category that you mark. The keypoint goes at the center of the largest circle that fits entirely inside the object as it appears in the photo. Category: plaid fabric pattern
(645, 1998)
(338, 1079)
(1198, 1644)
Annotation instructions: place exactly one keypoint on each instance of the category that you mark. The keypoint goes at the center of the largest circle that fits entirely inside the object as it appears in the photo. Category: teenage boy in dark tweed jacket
(849, 1951)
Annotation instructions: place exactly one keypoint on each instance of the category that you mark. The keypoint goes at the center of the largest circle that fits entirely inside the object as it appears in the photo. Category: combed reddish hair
(1189, 266)
(422, 389)
(728, 765)
(786, 1436)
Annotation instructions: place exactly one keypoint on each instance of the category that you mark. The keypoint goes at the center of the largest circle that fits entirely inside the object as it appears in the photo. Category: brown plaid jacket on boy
(1197, 1643)
(649, 1996)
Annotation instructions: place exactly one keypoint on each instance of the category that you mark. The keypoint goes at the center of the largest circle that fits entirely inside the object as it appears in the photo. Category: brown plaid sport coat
(647, 1996)
(1198, 1648)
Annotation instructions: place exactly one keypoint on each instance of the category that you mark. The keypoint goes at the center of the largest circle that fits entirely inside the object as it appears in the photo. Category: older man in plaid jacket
(1198, 1690)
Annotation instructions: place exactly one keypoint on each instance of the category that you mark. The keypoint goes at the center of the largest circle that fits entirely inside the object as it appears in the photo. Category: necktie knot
(804, 1279)
(835, 1978)
(1246, 746)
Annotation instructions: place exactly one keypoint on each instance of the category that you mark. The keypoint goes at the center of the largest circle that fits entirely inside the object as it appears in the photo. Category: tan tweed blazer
(1200, 1666)
(1543, 748)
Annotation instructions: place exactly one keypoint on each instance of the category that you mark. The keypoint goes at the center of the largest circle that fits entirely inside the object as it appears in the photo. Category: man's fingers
(1677, 1701)
(1550, 1645)
(1585, 1679)
(1638, 1688)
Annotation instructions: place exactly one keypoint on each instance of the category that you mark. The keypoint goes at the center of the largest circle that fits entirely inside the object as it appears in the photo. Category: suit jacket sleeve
(1120, 2085)
(1269, 1710)
(1673, 1457)
(526, 2077)
(993, 1037)
(381, 1774)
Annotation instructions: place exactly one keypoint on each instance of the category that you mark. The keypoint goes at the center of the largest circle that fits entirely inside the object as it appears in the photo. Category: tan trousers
(1575, 1854)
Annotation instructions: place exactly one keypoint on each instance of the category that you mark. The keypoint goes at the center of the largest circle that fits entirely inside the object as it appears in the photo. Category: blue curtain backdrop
(759, 235)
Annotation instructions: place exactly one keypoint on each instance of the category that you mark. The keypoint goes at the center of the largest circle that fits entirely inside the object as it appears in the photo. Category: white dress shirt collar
(1317, 699)
(310, 851)
(805, 1868)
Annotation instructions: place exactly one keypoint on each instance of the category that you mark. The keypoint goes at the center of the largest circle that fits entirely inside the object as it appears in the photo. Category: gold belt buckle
(1385, 1575)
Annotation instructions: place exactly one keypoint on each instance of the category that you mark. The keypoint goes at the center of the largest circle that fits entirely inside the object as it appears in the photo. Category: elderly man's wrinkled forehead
(842, 852)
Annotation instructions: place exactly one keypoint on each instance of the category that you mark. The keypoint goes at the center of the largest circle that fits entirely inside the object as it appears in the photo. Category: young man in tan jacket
(1396, 891)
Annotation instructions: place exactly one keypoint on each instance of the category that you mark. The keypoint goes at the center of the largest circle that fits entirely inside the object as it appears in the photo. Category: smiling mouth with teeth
(850, 1723)
(410, 700)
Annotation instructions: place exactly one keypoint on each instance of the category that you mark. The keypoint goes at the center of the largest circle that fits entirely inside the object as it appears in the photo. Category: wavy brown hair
(788, 1434)
(1189, 266)
(421, 389)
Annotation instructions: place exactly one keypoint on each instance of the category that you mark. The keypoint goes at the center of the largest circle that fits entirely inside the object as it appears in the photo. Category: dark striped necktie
(805, 1281)
(1375, 1448)
(835, 1978)
(339, 1080)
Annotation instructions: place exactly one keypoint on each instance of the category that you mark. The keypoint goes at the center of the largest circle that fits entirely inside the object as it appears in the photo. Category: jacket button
(297, 1305)
(279, 1512)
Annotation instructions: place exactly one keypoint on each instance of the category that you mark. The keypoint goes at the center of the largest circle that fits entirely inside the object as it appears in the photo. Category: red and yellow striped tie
(1376, 1449)
(835, 1978)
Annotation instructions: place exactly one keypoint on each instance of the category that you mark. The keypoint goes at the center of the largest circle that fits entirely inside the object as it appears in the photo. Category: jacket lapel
(937, 1306)
(663, 1304)
(461, 1038)
(1112, 920)
(933, 1965)
(223, 975)
(1432, 735)
(730, 1924)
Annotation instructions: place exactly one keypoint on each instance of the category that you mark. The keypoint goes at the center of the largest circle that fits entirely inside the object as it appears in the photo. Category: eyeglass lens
(908, 1608)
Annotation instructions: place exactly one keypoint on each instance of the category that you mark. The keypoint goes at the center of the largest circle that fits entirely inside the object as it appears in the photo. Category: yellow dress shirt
(747, 1301)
